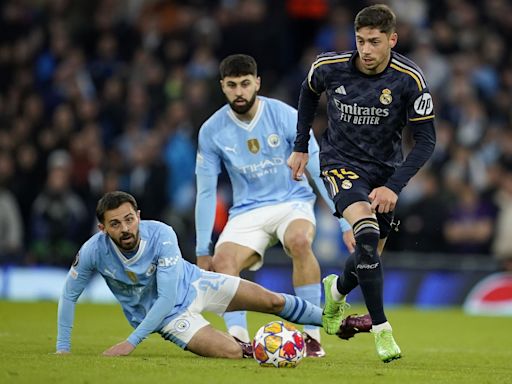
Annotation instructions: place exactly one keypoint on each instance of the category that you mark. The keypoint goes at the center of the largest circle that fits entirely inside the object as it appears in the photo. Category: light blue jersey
(152, 286)
(254, 154)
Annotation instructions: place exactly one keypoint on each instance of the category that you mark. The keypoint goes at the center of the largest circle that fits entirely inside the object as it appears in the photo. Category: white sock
(314, 333)
(334, 291)
(381, 327)
(240, 333)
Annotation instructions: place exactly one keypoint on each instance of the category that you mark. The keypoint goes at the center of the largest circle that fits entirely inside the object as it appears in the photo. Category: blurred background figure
(59, 219)
(123, 88)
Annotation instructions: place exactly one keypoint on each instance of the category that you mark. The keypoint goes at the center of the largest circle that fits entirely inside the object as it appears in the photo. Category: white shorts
(261, 228)
(214, 293)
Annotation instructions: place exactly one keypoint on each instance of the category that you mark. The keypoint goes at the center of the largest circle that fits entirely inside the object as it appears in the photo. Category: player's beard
(127, 241)
(242, 109)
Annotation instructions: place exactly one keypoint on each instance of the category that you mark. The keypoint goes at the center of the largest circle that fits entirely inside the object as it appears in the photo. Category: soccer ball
(278, 344)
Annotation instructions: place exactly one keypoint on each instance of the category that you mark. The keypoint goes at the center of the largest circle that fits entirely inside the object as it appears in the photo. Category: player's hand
(205, 262)
(383, 200)
(297, 163)
(349, 240)
(123, 348)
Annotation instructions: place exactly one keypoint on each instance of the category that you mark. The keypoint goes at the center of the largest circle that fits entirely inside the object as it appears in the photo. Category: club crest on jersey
(253, 145)
(132, 276)
(386, 98)
(77, 259)
(151, 270)
(273, 140)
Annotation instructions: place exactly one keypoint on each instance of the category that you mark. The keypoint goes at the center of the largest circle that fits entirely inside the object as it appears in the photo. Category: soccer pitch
(442, 346)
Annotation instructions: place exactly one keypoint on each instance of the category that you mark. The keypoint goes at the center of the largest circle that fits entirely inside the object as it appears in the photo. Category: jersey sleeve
(420, 116)
(77, 279)
(207, 160)
(168, 273)
(205, 212)
(310, 91)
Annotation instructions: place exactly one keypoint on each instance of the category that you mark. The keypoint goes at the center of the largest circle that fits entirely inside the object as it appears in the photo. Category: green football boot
(387, 348)
(333, 310)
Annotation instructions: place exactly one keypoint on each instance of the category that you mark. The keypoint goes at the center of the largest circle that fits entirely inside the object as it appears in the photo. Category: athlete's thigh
(253, 297)
(211, 342)
(297, 219)
(237, 256)
(214, 292)
(247, 232)
(349, 188)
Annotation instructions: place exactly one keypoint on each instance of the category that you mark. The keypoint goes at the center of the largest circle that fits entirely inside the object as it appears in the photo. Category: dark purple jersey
(366, 116)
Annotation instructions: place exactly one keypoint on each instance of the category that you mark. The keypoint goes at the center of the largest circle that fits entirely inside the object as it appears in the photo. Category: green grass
(443, 346)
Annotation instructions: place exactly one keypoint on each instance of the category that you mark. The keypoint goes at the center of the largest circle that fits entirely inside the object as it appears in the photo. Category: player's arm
(424, 136)
(207, 170)
(168, 274)
(308, 102)
(205, 217)
(313, 168)
(77, 279)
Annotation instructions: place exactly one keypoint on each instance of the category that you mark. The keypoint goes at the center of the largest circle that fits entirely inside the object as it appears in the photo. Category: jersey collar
(250, 125)
(134, 258)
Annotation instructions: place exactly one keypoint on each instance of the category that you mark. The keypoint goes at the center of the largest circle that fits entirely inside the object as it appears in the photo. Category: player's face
(241, 92)
(122, 225)
(374, 48)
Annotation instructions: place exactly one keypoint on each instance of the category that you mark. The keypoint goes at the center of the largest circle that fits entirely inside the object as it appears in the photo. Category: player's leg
(191, 331)
(298, 239)
(231, 259)
(210, 342)
(370, 275)
(253, 297)
(240, 246)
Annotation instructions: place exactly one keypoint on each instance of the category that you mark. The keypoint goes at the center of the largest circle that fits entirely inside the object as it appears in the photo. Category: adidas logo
(340, 90)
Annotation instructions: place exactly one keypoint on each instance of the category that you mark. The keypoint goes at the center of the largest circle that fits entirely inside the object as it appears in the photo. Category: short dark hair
(378, 16)
(238, 65)
(113, 200)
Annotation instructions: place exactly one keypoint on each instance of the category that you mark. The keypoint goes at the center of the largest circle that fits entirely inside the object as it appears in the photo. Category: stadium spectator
(59, 220)
(131, 59)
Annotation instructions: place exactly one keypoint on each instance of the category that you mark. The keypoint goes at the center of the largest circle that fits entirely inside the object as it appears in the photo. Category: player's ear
(138, 214)
(258, 83)
(393, 39)
(101, 227)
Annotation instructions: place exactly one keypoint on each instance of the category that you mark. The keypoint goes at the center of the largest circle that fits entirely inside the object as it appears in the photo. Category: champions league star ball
(278, 344)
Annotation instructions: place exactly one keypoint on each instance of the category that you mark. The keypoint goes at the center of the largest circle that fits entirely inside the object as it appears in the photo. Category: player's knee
(299, 244)
(223, 263)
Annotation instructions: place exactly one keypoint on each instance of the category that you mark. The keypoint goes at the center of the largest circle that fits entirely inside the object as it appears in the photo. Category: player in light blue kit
(253, 137)
(159, 291)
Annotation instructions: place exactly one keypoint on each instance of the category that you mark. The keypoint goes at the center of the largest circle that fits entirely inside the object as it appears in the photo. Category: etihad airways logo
(355, 114)
(262, 167)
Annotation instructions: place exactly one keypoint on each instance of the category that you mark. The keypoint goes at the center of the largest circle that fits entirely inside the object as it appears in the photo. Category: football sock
(300, 311)
(236, 323)
(348, 280)
(369, 268)
(381, 327)
(313, 294)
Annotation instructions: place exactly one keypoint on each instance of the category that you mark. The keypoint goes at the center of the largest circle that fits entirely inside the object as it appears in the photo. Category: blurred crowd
(101, 95)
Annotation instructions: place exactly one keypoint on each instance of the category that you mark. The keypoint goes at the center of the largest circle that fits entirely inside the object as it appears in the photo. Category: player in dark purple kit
(372, 94)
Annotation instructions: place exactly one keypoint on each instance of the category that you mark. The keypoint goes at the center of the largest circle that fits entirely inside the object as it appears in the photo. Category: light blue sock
(300, 311)
(313, 294)
(236, 323)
